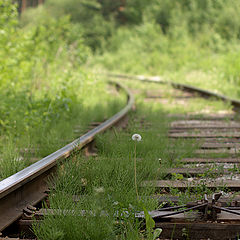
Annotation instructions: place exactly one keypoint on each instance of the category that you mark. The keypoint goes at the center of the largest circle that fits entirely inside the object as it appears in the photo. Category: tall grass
(96, 197)
(105, 189)
(44, 89)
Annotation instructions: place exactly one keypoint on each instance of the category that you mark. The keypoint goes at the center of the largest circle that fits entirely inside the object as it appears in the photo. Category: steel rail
(214, 220)
(161, 214)
(158, 79)
(29, 185)
(171, 208)
(227, 210)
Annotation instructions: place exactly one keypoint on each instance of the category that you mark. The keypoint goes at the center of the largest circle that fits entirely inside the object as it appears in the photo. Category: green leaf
(157, 233)
(150, 224)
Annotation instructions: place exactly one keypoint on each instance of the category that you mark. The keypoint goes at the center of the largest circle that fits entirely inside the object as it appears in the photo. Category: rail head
(26, 175)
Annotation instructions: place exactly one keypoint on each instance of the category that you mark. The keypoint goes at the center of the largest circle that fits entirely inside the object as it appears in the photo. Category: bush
(8, 14)
(88, 17)
(37, 68)
(222, 16)
(44, 89)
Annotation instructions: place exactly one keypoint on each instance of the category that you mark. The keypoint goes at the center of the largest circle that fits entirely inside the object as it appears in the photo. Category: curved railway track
(212, 217)
(29, 186)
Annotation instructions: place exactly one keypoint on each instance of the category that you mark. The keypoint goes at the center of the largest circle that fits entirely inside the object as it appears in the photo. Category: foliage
(109, 206)
(98, 20)
(44, 90)
(204, 58)
(220, 16)
(105, 183)
(8, 15)
(87, 16)
(27, 56)
(150, 223)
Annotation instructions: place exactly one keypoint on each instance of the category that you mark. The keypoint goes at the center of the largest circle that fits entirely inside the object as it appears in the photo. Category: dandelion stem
(135, 168)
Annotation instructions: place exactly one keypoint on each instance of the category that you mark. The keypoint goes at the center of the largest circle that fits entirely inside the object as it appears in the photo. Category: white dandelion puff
(136, 137)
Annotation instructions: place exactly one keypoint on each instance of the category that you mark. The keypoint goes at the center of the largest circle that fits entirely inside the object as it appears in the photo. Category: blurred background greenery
(51, 60)
(191, 41)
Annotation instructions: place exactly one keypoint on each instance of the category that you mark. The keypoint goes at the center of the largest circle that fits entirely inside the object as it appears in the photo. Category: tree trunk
(24, 5)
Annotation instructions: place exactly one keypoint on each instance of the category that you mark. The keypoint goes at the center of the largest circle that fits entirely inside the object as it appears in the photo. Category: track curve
(186, 87)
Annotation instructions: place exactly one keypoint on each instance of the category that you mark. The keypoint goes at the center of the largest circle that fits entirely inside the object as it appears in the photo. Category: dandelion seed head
(136, 137)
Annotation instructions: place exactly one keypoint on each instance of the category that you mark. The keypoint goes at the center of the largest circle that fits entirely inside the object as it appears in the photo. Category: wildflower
(136, 137)
(18, 159)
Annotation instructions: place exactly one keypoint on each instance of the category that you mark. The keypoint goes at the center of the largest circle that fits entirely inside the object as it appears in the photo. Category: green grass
(47, 89)
(20, 151)
(45, 92)
(105, 184)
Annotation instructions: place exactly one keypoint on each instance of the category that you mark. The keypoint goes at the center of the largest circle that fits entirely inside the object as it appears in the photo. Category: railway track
(213, 167)
(29, 187)
(213, 170)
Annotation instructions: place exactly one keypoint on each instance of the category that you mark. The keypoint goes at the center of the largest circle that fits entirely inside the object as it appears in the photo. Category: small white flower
(190, 179)
(136, 137)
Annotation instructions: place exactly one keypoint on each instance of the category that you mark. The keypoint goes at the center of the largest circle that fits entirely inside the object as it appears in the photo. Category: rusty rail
(28, 186)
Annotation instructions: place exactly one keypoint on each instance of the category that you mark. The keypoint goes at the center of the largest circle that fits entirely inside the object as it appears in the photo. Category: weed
(136, 138)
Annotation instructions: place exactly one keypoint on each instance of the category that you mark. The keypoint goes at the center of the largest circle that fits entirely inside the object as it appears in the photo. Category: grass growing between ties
(99, 193)
(105, 185)
(184, 148)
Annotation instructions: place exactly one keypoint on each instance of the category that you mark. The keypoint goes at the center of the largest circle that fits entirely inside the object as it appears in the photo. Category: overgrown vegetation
(48, 58)
(44, 89)
(195, 42)
(97, 195)
(105, 187)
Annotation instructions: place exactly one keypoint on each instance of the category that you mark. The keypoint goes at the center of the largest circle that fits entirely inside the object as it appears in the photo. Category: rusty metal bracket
(209, 208)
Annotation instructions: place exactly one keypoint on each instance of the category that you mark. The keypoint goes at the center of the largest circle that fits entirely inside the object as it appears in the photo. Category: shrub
(222, 16)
